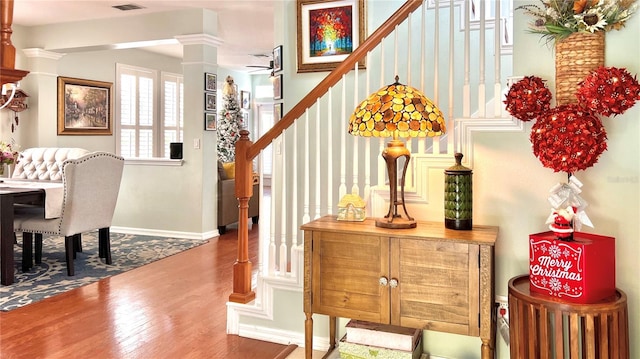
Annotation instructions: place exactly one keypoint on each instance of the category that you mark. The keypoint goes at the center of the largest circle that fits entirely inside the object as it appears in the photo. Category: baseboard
(167, 234)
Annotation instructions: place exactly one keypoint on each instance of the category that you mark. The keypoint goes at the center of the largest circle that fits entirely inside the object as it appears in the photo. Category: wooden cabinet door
(438, 285)
(346, 275)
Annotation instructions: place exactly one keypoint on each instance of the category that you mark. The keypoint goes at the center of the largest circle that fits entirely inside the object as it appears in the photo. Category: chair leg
(38, 248)
(77, 244)
(104, 244)
(70, 254)
(27, 250)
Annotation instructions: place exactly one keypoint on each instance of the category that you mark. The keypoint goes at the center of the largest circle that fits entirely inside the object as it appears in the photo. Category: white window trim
(159, 77)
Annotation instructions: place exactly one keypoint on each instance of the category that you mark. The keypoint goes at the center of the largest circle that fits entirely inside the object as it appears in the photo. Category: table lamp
(396, 111)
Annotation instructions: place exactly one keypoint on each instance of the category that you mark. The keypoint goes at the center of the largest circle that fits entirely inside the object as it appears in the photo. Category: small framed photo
(277, 87)
(277, 111)
(277, 59)
(210, 121)
(245, 99)
(210, 101)
(210, 82)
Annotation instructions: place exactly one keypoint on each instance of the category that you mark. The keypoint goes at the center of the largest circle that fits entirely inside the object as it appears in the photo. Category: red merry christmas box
(579, 271)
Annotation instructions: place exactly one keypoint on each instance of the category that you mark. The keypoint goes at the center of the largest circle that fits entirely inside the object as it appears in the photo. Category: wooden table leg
(308, 336)
(332, 332)
(487, 351)
(6, 239)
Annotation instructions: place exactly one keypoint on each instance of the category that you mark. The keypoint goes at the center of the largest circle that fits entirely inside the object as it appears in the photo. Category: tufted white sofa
(44, 163)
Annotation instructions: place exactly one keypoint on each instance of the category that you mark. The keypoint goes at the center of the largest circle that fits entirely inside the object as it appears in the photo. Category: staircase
(457, 52)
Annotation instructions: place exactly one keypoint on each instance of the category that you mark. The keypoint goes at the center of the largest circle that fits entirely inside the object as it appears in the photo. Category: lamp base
(398, 223)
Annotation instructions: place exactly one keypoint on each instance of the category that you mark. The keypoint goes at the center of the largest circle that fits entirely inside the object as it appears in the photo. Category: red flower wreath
(528, 98)
(568, 138)
(608, 91)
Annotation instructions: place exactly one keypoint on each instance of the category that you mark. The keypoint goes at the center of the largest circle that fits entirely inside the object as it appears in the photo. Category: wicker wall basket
(576, 56)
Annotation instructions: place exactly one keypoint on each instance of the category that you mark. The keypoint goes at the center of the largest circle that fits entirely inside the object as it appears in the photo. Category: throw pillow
(222, 174)
(230, 169)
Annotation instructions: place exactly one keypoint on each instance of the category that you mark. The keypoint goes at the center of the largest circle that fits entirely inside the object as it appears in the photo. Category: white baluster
(482, 97)
(367, 142)
(283, 218)
(294, 204)
(330, 201)
(342, 190)
(466, 89)
(354, 156)
(306, 217)
(497, 87)
(317, 174)
(451, 115)
(275, 187)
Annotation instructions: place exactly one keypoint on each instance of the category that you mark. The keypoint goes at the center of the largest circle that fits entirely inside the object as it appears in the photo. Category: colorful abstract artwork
(328, 31)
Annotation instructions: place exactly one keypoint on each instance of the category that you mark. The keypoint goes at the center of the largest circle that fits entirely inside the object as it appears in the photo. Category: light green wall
(177, 200)
(511, 186)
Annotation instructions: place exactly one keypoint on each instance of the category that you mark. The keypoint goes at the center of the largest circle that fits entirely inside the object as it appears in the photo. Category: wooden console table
(544, 327)
(427, 277)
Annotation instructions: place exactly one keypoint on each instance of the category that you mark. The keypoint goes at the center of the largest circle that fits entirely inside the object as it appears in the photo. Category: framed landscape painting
(328, 31)
(84, 107)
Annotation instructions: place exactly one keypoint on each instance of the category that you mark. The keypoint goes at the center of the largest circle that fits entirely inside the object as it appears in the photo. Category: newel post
(242, 292)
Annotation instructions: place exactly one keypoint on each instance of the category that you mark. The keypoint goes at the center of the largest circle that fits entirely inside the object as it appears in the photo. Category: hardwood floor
(172, 308)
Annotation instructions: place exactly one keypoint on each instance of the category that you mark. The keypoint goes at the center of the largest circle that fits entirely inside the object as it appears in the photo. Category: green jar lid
(458, 168)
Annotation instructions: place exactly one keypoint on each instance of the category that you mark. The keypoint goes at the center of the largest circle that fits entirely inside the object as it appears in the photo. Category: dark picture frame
(277, 87)
(277, 111)
(210, 101)
(85, 107)
(324, 54)
(277, 59)
(245, 99)
(210, 82)
(210, 121)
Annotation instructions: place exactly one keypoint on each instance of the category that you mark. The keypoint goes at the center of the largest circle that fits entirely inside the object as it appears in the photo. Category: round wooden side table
(542, 327)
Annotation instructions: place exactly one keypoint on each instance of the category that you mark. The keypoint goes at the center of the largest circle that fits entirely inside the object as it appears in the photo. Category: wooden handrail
(334, 76)
(246, 151)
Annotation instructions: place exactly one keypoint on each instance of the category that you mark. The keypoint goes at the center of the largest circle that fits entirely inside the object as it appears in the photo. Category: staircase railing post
(242, 292)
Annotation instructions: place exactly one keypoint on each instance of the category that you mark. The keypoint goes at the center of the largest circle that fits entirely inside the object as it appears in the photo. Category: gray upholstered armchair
(91, 185)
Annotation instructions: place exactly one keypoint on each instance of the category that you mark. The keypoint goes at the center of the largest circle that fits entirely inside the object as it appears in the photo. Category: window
(150, 115)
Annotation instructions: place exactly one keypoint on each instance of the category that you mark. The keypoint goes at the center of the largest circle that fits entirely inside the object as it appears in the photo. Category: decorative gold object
(351, 208)
(397, 111)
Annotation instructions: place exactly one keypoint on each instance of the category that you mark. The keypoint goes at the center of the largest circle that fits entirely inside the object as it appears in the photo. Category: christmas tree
(229, 122)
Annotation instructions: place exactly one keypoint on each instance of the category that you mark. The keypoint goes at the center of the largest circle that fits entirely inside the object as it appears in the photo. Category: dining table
(42, 193)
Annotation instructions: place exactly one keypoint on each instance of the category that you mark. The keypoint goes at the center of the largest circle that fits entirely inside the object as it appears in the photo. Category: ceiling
(245, 26)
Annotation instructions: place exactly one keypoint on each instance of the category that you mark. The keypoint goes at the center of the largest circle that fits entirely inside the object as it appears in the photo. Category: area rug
(50, 277)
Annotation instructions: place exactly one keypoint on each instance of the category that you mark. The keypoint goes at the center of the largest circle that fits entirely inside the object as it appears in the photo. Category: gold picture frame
(324, 54)
(85, 107)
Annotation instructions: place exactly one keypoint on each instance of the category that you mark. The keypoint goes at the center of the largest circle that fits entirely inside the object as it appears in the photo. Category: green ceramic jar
(458, 196)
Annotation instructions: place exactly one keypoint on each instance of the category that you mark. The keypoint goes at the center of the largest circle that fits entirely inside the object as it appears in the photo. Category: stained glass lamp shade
(397, 111)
